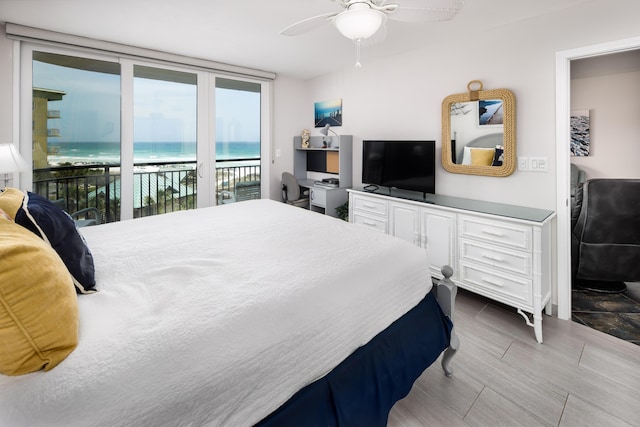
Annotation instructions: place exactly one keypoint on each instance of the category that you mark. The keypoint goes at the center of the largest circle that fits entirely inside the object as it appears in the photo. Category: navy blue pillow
(56, 227)
(498, 156)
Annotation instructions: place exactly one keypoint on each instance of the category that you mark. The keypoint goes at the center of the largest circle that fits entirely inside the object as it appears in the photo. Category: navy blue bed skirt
(361, 390)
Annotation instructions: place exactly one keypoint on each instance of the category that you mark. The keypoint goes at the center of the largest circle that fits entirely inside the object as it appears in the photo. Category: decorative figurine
(306, 135)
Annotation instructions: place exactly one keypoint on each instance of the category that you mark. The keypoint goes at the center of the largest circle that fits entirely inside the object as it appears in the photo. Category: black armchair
(578, 177)
(605, 249)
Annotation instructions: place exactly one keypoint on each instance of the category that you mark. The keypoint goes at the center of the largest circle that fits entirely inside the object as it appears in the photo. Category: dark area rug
(616, 314)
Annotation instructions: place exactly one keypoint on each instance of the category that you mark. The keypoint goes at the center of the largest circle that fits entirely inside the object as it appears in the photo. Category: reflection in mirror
(473, 132)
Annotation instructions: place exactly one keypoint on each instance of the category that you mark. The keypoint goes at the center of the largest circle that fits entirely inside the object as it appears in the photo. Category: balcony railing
(159, 187)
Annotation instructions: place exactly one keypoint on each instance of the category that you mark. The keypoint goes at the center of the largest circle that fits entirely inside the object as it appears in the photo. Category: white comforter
(217, 316)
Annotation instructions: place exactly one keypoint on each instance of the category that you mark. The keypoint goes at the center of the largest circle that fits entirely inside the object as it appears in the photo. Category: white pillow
(466, 156)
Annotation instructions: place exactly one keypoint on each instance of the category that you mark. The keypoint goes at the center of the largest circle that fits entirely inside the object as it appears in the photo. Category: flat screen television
(405, 165)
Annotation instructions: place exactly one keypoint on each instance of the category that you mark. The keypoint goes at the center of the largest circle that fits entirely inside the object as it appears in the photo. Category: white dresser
(499, 251)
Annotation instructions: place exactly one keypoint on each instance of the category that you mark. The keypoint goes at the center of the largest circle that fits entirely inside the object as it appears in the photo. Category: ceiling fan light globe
(360, 23)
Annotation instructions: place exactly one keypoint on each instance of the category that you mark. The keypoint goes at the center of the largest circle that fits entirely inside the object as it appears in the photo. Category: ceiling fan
(361, 19)
(364, 20)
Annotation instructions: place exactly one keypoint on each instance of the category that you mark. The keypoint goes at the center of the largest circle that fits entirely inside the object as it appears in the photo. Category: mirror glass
(478, 132)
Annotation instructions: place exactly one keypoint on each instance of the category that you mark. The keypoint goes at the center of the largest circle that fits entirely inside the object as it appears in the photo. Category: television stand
(500, 251)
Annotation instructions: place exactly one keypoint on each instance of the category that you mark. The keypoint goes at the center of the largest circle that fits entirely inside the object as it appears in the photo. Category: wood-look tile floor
(503, 377)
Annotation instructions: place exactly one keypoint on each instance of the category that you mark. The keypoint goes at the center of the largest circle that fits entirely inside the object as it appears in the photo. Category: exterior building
(41, 130)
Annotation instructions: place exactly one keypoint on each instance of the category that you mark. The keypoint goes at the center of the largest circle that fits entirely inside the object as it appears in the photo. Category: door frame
(563, 111)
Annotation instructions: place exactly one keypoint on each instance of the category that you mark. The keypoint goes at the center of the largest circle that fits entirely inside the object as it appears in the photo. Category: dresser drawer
(377, 224)
(370, 206)
(503, 287)
(494, 256)
(507, 234)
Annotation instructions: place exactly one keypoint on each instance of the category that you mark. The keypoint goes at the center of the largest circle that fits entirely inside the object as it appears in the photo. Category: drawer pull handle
(493, 233)
(493, 257)
(367, 205)
(372, 224)
(492, 282)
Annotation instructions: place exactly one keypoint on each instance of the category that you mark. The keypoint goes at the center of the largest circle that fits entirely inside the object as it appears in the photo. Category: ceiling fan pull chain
(358, 64)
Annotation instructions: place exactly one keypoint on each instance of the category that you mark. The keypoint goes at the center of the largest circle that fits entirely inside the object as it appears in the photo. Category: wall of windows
(135, 137)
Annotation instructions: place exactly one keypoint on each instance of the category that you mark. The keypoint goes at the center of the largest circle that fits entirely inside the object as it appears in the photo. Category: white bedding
(217, 316)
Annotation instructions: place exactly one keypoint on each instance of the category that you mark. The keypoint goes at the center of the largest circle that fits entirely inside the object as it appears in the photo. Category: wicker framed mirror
(479, 131)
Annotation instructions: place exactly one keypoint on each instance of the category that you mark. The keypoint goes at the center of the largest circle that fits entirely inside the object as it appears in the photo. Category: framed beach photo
(490, 112)
(328, 112)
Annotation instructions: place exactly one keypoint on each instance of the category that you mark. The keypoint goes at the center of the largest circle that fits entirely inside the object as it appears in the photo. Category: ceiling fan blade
(308, 24)
(425, 10)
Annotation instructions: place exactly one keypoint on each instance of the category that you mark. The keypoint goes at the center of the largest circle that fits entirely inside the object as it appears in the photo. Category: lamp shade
(358, 24)
(11, 160)
(325, 129)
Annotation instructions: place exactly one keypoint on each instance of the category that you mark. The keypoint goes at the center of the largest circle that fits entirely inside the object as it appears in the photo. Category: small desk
(322, 199)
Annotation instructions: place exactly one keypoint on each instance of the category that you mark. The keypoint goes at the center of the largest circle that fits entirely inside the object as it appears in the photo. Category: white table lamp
(10, 162)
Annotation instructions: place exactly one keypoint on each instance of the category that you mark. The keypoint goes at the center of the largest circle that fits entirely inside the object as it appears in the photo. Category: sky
(163, 111)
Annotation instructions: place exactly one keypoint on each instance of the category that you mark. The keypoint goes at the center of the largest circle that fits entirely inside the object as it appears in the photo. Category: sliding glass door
(164, 140)
(76, 132)
(238, 140)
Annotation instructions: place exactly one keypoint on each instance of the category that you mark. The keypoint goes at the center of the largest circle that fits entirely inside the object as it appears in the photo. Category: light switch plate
(523, 163)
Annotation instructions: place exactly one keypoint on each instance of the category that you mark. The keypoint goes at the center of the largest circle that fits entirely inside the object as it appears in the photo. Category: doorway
(563, 108)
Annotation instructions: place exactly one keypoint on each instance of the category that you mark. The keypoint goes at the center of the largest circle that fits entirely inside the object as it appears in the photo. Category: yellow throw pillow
(482, 156)
(11, 200)
(38, 303)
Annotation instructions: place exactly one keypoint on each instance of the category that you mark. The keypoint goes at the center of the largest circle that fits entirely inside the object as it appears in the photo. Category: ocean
(145, 152)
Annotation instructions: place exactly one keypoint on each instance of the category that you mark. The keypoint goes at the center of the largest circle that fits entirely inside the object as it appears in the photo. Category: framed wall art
(580, 132)
(328, 112)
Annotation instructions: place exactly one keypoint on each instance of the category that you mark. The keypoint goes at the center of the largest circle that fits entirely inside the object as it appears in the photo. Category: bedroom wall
(607, 87)
(401, 98)
(287, 99)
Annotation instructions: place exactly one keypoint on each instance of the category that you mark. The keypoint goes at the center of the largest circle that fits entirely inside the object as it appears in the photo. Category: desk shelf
(317, 149)
(314, 162)
(334, 162)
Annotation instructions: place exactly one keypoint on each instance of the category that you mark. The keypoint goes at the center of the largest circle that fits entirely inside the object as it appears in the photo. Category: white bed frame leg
(446, 292)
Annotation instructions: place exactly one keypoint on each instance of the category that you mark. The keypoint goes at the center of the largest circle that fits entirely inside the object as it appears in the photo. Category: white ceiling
(246, 32)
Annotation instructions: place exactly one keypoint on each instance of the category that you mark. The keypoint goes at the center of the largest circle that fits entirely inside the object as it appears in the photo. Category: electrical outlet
(523, 163)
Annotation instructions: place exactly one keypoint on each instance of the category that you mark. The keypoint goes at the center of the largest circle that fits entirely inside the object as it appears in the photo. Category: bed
(248, 313)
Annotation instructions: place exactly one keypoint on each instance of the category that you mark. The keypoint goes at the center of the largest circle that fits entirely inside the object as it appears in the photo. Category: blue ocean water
(100, 152)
